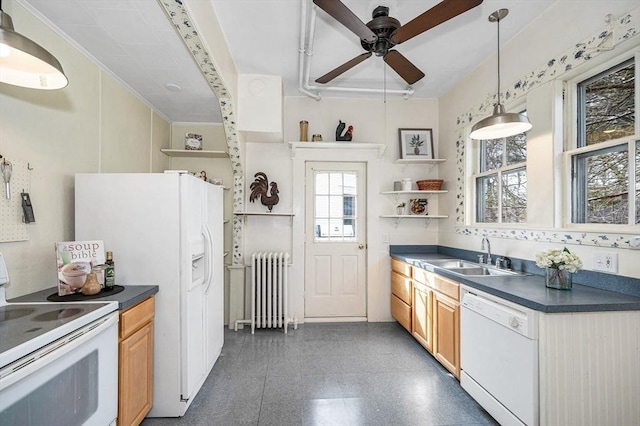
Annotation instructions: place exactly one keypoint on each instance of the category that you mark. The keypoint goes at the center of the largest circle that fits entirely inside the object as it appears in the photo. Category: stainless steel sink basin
(480, 271)
(451, 263)
(469, 269)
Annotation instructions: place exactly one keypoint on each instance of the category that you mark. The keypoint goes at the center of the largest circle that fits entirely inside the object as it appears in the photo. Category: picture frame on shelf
(416, 144)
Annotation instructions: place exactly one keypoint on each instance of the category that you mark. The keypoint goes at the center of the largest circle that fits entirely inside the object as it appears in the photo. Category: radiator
(269, 291)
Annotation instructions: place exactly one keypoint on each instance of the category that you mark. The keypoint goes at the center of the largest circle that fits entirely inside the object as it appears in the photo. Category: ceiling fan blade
(346, 17)
(438, 14)
(409, 72)
(343, 68)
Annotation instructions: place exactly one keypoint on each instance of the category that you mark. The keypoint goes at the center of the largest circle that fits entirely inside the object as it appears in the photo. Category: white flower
(559, 259)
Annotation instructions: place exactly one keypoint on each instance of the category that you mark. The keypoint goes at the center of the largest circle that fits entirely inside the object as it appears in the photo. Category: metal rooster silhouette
(347, 136)
(268, 192)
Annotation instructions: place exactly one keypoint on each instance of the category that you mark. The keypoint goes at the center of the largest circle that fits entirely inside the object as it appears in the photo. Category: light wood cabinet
(401, 293)
(434, 308)
(446, 332)
(422, 317)
(135, 363)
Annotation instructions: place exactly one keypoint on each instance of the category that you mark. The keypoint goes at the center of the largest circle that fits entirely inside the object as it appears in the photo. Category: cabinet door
(421, 324)
(446, 330)
(136, 376)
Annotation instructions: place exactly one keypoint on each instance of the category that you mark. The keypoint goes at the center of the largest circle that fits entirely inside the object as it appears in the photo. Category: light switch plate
(606, 261)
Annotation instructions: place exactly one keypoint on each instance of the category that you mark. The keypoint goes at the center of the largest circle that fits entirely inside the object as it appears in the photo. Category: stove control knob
(513, 322)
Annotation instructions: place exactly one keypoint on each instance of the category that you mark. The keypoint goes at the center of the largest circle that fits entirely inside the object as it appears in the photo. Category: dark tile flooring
(329, 374)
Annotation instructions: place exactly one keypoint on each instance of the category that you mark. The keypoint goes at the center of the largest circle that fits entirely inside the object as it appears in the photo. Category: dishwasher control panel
(507, 314)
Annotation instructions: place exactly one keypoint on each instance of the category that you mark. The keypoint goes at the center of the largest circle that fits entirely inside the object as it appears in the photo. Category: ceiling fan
(384, 32)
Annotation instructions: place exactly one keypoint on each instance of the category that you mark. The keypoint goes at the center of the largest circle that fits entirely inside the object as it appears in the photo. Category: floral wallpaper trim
(620, 29)
(182, 23)
(596, 239)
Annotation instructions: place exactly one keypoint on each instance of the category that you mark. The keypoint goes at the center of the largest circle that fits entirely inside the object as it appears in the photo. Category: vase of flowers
(400, 208)
(559, 266)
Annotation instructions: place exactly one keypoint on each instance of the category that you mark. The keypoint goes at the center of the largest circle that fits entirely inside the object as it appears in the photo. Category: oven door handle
(23, 367)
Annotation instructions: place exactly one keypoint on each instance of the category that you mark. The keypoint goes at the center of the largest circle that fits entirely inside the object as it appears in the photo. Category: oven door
(72, 381)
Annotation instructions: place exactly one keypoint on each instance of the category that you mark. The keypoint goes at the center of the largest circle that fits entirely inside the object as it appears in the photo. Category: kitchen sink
(481, 271)
(451, 263)
(469, 269)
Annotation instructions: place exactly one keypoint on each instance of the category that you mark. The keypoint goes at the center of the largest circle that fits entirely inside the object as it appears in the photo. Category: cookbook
(74, 260)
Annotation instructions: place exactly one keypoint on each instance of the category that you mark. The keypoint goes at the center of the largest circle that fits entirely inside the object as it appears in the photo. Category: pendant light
(25, 63)
(500, 124)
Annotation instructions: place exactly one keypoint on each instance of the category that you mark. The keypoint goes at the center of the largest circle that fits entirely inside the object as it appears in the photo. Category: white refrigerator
(164, 229)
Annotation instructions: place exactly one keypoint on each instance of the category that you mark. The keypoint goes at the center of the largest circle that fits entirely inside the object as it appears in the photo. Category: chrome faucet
(488, 249)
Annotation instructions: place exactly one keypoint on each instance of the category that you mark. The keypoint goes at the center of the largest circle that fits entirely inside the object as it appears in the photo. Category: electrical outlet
(606, 261)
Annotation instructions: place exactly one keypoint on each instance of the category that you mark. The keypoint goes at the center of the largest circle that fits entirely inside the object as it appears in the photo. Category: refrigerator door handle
(209, 258)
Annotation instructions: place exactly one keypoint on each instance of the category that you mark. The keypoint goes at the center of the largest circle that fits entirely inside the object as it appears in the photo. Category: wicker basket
(429, 184)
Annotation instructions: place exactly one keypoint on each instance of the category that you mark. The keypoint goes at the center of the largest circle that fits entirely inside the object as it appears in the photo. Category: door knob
(361, 246)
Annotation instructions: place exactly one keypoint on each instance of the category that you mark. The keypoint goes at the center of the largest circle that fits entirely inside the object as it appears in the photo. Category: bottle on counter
(109, 272)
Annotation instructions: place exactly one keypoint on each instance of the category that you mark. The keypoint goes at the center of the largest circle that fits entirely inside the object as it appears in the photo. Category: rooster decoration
(268, 192)
(347, 136)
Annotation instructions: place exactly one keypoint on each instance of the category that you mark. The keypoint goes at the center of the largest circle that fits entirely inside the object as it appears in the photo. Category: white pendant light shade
(500, 124)
(25, 63)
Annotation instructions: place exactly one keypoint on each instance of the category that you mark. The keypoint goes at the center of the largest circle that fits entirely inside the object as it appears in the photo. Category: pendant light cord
(498, 59)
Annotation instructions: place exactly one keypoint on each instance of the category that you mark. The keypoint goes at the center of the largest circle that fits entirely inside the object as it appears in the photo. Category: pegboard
(12, 227)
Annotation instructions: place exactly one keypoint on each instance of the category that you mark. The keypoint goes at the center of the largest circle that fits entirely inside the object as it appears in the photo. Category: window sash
(579, 156)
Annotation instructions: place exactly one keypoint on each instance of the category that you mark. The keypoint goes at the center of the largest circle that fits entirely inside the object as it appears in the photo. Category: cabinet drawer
(401, 287)
(401, 267)
(136, 316)
(401, 312)
(438, 283)
(447, 287)
(422, 276)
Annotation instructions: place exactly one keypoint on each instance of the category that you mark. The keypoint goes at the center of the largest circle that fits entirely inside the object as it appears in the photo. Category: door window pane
(335, 206)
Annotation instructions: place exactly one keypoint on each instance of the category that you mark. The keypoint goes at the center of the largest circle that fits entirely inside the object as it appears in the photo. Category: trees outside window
(501, 181)
(606, 160)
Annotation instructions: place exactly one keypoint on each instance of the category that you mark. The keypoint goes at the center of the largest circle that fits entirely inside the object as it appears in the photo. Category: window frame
(572, 150)
(498, 172)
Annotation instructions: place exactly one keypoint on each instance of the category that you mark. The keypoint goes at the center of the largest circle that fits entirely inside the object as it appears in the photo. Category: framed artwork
(416, 144)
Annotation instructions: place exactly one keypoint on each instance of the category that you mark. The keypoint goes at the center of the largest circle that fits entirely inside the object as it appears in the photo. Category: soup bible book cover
(75, 260)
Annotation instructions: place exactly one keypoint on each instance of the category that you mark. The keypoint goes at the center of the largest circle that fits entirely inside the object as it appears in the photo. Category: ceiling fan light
(500, 124)
(25, 63)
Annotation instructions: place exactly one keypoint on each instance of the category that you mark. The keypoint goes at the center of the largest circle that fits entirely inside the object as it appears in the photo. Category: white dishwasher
(499, 357)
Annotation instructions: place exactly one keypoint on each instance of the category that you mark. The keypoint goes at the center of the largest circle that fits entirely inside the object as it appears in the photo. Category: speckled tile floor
(329, 374)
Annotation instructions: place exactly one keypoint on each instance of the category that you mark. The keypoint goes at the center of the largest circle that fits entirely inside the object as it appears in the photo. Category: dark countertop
(530, 290)
(129, 297)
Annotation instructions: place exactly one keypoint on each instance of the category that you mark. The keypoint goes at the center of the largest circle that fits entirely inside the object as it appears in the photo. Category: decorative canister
(397, 185)
(406, 184)
(304, 131)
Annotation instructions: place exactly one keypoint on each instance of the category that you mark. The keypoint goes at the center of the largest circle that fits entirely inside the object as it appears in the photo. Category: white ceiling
(135, 41)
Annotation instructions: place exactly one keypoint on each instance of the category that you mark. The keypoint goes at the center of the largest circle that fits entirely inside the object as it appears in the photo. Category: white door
(335, 249)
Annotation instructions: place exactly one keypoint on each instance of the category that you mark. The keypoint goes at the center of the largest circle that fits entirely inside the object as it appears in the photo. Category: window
(501, 183)
(335, 206)
(605, 165)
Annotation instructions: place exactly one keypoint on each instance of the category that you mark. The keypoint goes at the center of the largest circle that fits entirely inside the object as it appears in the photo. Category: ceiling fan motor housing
(383, 26)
